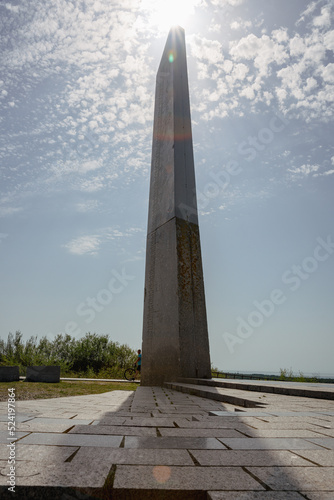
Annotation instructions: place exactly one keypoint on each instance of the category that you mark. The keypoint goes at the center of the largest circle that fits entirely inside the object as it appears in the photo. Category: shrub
(91, 356)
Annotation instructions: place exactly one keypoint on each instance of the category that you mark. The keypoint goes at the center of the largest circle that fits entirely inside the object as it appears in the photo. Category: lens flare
(165, 14)
(161, 473)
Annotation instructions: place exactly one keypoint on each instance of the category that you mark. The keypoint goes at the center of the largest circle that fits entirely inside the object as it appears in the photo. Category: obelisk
(175, 333)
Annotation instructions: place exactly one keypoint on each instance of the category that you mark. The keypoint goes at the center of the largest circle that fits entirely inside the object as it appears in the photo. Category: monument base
(175, 326)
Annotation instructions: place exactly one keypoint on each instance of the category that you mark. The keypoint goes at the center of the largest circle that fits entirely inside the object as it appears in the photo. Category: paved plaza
(158, 443)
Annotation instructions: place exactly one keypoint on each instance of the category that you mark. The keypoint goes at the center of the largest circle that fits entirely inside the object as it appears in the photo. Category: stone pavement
(157, 443)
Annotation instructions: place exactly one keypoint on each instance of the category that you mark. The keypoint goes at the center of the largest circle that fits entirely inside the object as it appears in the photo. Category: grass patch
(37, 390)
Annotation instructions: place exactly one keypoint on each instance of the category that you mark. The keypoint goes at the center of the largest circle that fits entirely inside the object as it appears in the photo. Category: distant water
(277, 374)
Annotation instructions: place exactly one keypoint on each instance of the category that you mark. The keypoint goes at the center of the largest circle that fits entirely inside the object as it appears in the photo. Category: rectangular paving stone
(112, 420)
(149, 422)
(320, 457)
(283, 433)
(239, 414)
(206, 425)
(173, 443)
(325, 432)
(307, 478)
(325, 442)
(286, 426)
(255, 495)
(110, 430)
(18, 417)
(249, 458)
(42, 453)
(183, 478)
(36, 427)
(175, 432)
(72, 440)
(65, 474)
(131, 456)
(269, 444)
(5, 438)
(316, 495)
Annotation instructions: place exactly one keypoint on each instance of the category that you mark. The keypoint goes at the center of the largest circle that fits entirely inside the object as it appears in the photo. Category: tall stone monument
(175, 333)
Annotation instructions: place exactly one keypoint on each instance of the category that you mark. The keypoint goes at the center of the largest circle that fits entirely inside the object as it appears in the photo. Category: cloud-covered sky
(77, 86)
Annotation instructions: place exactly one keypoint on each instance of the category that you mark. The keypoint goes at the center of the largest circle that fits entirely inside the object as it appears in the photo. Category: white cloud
(329, 40)
(220, 3)
(324, 19)
(91, 185)
(303, 170)
(7, 211)
(87, 206)
(309, 10)
(264, 51)
(280, 35)
(311, 83)
(327, 73)
(91, 244)
(206, 50)
(248, 92)
(12, 8)
(240, 24)
(84, 245)
(297, 45)
(240, 71)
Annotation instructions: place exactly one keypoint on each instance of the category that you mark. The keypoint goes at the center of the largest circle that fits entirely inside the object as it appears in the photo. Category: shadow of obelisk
(175, 332)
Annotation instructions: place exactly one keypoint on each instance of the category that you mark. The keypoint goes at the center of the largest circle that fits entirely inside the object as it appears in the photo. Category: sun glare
(164, 14)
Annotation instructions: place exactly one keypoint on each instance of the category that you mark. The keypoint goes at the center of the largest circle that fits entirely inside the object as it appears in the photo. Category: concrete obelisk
(175, 332)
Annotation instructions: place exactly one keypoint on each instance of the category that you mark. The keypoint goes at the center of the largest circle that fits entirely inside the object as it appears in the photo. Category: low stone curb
(196, 390)
(273, 389)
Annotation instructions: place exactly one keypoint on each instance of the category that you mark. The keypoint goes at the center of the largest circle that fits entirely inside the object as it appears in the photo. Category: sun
(166, 13)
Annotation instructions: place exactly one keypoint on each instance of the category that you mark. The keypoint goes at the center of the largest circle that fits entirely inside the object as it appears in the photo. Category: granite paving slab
(320, 457)
(72, 440)
(173, 443)
(240, 413)
(318, 495)
(306, 478)
(206, 424)
(150, 422)
(131, 456)
(38, 453)
(36, 427)
(65, 474)
(18, 418)
(269, 444)
(5, 438)
(107, 420)
(326, 432)
(284, 433)
(249, 457)
(324, 442)
(254, 495)
(215, 433)
(116, 429)
(183, 478)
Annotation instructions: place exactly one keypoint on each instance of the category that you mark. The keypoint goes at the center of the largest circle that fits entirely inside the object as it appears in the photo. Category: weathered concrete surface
(9, 373)
(49, 374)
(175, 334)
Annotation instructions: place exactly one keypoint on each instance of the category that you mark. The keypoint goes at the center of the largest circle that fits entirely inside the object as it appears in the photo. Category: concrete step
(230, 396)
(308, 390)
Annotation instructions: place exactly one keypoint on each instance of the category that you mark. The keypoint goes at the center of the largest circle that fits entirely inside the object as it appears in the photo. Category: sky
(77, 83)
